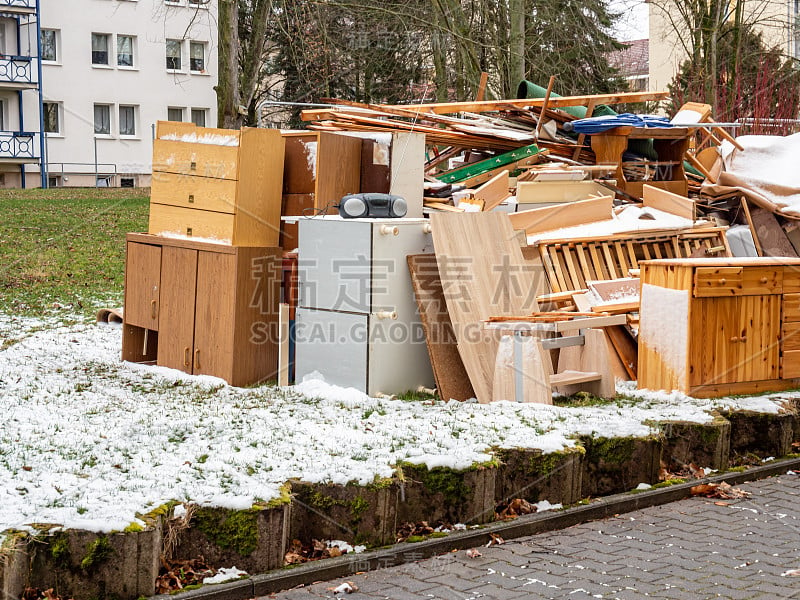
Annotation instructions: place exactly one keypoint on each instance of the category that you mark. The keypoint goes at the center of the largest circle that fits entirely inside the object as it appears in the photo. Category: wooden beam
(675, 204)
(563, 215)
(582, 137)
(482, 87)
(547, 93)
(494, 191)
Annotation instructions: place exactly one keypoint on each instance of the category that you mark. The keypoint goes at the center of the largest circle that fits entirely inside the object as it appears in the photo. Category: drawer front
(206, 160)
(790, 336)
(790, 364)
(165, 219)
(736, 281)
(791, 279)
(188, 191)
(791, 307)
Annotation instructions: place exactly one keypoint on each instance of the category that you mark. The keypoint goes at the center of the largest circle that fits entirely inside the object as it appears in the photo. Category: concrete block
(446, 494)
(534, 476)
(761, 434)
(254, 540)
(704, 444)
(613, 465)
(89, 566)
(354, 513)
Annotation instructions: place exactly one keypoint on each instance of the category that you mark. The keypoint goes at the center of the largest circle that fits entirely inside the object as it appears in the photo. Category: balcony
(17, 72)
(18, 6)
(19, 147)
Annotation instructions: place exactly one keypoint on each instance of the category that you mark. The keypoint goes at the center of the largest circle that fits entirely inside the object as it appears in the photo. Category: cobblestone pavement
(695, 548)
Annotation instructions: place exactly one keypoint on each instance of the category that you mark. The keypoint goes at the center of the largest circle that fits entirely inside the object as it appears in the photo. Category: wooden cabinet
(712, 327)
(219, 184)
(215, 307)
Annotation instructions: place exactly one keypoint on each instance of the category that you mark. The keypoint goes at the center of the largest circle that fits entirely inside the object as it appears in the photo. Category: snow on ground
(88, 441)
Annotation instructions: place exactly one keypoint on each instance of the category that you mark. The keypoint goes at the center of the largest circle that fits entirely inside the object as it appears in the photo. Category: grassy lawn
(63, 250)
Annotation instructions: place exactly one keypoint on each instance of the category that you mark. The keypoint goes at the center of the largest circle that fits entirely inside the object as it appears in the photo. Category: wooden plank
(494, 191)
(772, 238)
(536, 192)
(595, 321)
(483, 273)
(564, 215)
(719, 390)
(452, 381)
(790, 336)
(748, 217)
(626, 349)
(661, 199)
(791, 307)
(790, 364)
(338, 170)
(482, 86)
(258, 201)
(582, 137)
(573, 377)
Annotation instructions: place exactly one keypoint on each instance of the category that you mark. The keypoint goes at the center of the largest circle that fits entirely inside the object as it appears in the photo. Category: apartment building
(778, 20)
(109, 70)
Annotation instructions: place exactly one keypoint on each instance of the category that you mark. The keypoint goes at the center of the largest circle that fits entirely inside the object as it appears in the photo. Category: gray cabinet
(357, 321)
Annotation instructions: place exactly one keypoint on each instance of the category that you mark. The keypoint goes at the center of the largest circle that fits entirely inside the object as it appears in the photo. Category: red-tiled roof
(633, 60)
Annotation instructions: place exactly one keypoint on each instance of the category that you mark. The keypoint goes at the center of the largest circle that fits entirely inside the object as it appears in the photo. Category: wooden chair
(696, 113)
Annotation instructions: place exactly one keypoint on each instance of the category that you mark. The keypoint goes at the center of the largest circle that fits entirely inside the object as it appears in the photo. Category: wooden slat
(494, 191)
(563, 215)
(483, 273)
(675, 204)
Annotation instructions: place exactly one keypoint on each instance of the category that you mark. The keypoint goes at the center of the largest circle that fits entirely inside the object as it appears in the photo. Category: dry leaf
(719, 490)
(495, 541)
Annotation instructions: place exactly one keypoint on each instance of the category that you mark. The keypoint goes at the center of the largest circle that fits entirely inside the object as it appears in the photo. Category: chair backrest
(692, 112)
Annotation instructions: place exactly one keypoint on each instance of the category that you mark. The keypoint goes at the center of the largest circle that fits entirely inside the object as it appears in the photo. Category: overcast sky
(633, 22)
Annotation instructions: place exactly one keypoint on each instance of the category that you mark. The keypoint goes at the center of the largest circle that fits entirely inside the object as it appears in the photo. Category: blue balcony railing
(19, 145)
(16, 69)
(18, 3)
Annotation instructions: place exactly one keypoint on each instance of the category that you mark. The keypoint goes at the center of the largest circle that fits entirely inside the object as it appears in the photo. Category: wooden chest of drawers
(218, 184)
(713, 327)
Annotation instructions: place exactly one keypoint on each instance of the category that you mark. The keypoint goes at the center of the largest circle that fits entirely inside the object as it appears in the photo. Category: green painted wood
(488, 164)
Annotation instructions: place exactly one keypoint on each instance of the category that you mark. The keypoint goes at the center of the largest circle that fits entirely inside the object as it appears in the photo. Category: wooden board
(541, 192)
(261, 157)
(661, 199)
(179, 274)
(142, 285)
(452, 380)
(483, 274)
(190, 191)
(338, 169)
(494, 191)
(771, 236)
(563, 215)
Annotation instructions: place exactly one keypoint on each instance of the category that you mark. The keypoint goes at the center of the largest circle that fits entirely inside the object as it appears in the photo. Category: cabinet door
(178, 287)
(142, 285)
(214, 313)
(735, 339)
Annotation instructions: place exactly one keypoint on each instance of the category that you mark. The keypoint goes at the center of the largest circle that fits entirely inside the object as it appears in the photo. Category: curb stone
(261, 585)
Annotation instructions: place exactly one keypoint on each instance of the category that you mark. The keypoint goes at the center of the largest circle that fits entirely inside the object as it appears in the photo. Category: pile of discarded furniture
(499, 250)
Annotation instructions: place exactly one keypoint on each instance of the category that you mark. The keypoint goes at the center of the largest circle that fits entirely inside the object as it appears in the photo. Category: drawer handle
(390, 230)
(763, 280)
(197, 359)
(191, 198)
(193, 165)
(742, 339)
(189, 231)
(386, 314)
(186, 362)
(723, 281)
(153, 310)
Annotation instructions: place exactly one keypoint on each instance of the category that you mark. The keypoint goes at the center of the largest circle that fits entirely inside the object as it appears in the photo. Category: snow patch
(224, 575)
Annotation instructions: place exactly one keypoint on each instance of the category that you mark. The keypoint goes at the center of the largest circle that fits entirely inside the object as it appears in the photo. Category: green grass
(62, 251)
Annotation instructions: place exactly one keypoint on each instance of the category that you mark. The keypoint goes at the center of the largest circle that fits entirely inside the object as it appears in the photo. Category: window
(49, 46)
(127, 120)
(199, 117)
(99, 49)
(174, 55)
(102, 119)
(52, 121)
(174, 114)
(197, 56)
(125, 50)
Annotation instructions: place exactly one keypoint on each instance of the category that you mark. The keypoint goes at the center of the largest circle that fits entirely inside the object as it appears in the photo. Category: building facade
(110, 69)
(777, 20)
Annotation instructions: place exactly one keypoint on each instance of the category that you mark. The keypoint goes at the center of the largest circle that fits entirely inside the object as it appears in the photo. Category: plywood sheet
(452, 380)
(483, 274)
(770, 234)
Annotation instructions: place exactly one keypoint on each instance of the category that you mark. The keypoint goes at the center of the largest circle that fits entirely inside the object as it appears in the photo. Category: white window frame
(197, 110)
(108, 38)
(134, 110)
(109, 109)
(134, 59)
(204, 47)
(180, 108)
(59, 106)
(56, 45)
(180, 56)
